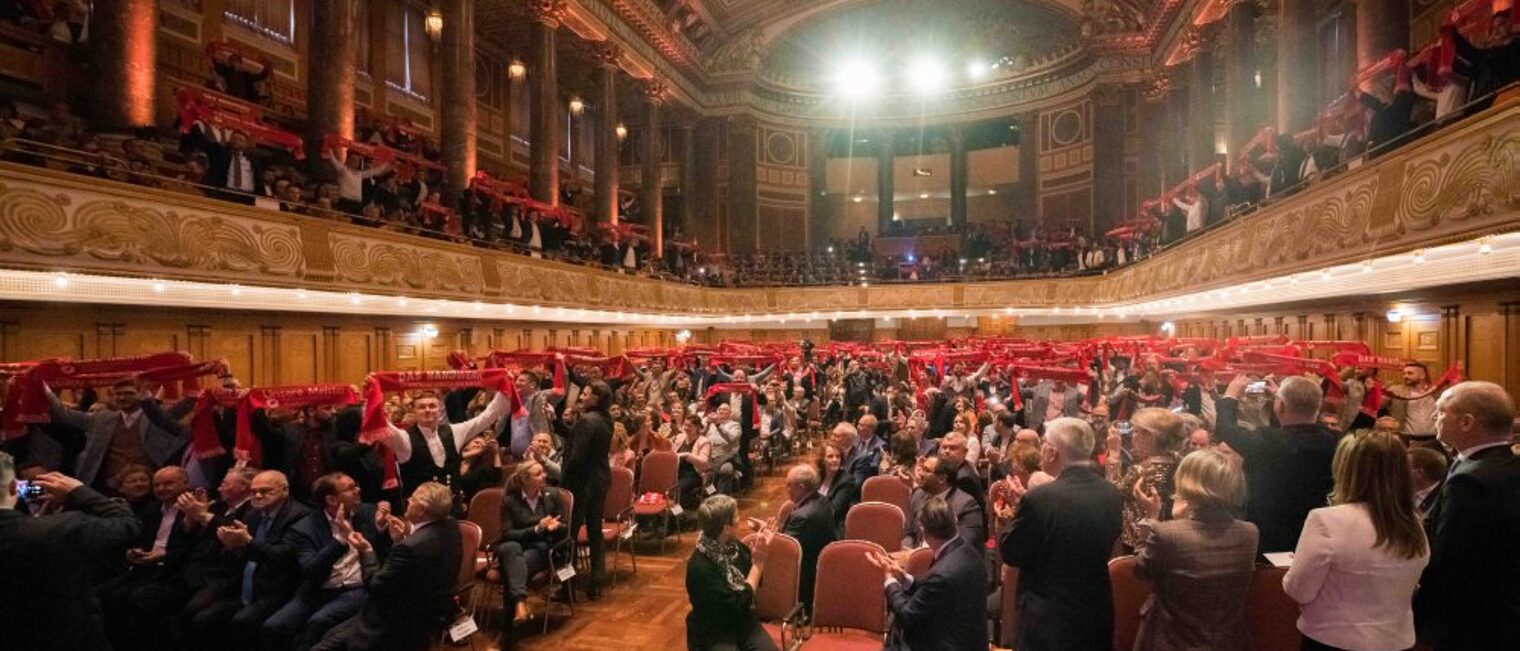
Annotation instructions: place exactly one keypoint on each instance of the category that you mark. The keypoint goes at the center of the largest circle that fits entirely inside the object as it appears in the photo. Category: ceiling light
(61, 281)
(576, 106)
(402, 302)
(1395, 316)
(927, 76)
(621, 131)
(236, 291)
(1367, 266)
(1324, 274)
(1485, 246)
(301, 294)
(923, 195)
(159, 287)
(429, 331)
(354, 299)
(1419, 256)
(857, 80)
(976, 69)
(857, 199)
(991, 190)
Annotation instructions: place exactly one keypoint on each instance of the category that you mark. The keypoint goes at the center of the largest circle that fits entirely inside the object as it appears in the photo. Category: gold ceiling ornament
(606, 53)
(1157, 86)
(551, 13)
(655, 90)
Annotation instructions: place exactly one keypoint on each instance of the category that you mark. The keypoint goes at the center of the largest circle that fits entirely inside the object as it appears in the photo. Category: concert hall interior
(858, 324)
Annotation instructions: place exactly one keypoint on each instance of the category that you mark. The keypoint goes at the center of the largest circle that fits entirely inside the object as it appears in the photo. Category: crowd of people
(138, 520)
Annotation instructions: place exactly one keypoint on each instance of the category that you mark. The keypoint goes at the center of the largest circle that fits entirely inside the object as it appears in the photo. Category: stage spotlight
(857, 79)
(976, 69)
(926, 76)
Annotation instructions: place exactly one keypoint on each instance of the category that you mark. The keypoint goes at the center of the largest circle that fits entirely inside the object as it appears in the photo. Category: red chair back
(485, 510)
(658, 472)
(878, 522)
(783, 574)
(619, 493)
(1008, 611)
(784, 512)
(919, 561)
(469, 541)
(1271, 615)
(889, 489)
(1130, 593)
(841, 598)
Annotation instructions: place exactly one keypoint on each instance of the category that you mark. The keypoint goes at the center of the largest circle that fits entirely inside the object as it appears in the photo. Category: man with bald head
(811, 523)
(268, 562)
(137, 602)
(1469, 596)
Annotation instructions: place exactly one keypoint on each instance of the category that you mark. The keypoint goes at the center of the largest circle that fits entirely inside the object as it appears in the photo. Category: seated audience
(941, 609)
(721, 578)
(936, 481)
(811, 523)
(533, 520)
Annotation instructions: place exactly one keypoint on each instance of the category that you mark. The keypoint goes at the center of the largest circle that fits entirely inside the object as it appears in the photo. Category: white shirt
(1353, 596)
(351, 182)
(345, 572)
(400, 443)
(165, 527)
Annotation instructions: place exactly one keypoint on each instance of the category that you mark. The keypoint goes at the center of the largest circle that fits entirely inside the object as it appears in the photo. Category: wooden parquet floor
(644, 611)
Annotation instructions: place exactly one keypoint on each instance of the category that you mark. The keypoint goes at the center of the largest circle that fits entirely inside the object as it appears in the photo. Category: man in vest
(429, 449)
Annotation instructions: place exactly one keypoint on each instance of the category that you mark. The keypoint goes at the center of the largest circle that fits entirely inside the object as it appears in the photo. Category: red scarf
(736, 387)
(204, 441)
(26, 400)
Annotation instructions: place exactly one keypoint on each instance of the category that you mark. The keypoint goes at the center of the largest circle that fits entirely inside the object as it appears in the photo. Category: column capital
(1157, 86)
(606, 53)
(1197, 38)
(655, 90)
(550, 13)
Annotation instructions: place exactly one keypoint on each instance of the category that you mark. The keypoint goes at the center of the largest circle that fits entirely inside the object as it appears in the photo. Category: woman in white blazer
(1359, 560)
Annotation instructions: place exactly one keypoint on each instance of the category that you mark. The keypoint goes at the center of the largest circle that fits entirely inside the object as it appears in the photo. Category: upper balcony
(1443, 210)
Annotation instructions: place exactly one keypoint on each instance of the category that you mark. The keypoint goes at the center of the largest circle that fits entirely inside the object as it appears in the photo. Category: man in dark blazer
(409, 595)
(269, 566)
(811, 523)
(45, 598)
(941, 610)
(145, 440)
(1061, 537)
(1287, 467)
(533, 521)
(138, 601)
(1037, 401)
(1469, 596)
(588, 473)
(332, 585)
(935, 479)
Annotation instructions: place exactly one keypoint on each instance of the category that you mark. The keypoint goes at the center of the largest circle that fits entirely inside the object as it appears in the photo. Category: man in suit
(1061, 537)
(409, 595)
(118, 436)
(333, 586)
(941, 610)
(811, 523)
(1048, 400)
(935, 480)
(137, 601)
(864, 452)
(1427, 473)
(45, 598)
(269, 566)
(208, 571)
(953, 450)
(516, 431)
(1469, 596)
(230, 165)
(588, 473)
(302, 447)
(1287, 467)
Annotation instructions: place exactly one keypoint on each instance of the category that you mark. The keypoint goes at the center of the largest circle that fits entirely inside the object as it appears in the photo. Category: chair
(485, 510)
(1130, 593)
(919, 561)
(878, 522)
(784, 512)
(849, 606)
(615, 516)
(549, 577)
(776, 601)
(464, 581)
(888, 489)
(659, 473)
(1008, 609)
(1271, 615)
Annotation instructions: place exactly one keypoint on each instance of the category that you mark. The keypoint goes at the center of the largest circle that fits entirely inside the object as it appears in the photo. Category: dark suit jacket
(45, 596)
(518, 521)
(206, 563)
(970, 519)
(945, 609)
(812, 524)
(1287, 473)
(317, 550)
(1469, 596)
(180, 541)
(279, 569)
(410, 593)
(844, 493)
(1061, 539)
(586, 466)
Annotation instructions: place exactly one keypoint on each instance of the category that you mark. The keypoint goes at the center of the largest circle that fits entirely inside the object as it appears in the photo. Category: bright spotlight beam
(857, 79)
(926, 76)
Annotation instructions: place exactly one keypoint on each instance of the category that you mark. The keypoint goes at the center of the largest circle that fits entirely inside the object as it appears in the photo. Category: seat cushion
(648, 509)
(843, 641)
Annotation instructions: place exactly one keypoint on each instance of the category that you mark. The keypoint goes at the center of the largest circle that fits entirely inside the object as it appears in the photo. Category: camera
(1256, 387)
(28, 490)
(1126, 429)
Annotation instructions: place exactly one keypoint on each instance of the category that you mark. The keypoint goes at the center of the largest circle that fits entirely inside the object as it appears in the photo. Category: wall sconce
(621, 131)
(682, 337)
(516, 70)
(576, 106)
(1395, 316)
(1169, 327)
(428, 331)
(433, 24)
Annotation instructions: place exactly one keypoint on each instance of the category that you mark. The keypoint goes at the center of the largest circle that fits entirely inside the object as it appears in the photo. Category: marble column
(378, 65)
(330, 73)
(885, 192)
(459, 111)
(959, 176)
(1155, 139)
(544, 106)
(1027, 202)
(124, 37)
(605, 194)
(1176, 146)
(1381, 26)
(1200, 115)
(686, 135)
(1242, 96)
(1296, 48)
(651, 184)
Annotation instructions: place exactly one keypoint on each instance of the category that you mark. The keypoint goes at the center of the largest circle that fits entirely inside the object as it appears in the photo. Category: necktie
(252, 566)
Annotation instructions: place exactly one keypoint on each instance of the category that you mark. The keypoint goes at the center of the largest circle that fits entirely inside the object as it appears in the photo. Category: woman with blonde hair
(1359, 560)
(1201, 561)
(1157, 434)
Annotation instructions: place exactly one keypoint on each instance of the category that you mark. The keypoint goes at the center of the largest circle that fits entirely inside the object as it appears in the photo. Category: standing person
(1157, 435)
(1201, 561)
(588, 473)
(1358, 561)
(721, 579)
(1061, 537)
(1413, 403)
(1469, 596)
(941, 610)
(118, 436)
(45, 597)
(1287, 467)
(439, 439)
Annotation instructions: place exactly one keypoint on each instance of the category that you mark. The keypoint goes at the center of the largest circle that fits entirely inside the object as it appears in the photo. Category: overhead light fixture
(1367, 267)
(923, 195)
(433, 24)
(927, 76)
(621, 131)
(976, 69)
(991, 190)
(236, 291)
(428, 331)
(857, 199)
(301, 294)
(355, 299)
(61, 281)
(1419, 256)
(1168, 327)
(1485, 245)
(159, 287)
(402, 302)
(576, 106)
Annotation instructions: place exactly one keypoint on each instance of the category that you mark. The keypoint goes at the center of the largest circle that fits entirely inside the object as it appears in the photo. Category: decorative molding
(551, 13)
